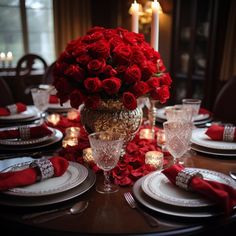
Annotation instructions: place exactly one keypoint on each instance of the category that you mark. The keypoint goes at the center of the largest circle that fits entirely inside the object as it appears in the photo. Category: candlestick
(135, 16)
(155, 25)
(3, 58)
(9, 58)
(155, 159)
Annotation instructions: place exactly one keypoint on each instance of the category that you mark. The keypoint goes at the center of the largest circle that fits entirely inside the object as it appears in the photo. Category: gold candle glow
(53, 118)
(88, 155)
(146, 134)
(72, 132)
(69, 141)
(155, 159)
(161, 138)
(72, 114)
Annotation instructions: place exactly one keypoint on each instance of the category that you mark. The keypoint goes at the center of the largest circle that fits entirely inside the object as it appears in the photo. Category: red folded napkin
(222, 194)
(32, 132)
(204, 111)
(53, 99)
(31, 175)
(5, 111)
(216, 132)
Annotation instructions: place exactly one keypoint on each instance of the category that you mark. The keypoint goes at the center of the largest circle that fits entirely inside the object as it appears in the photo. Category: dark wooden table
(111, 215)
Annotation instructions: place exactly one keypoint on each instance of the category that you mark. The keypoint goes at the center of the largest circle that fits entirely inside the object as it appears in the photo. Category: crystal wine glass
(40, 99)
(193, 104)
(106, 148)
(178, 135)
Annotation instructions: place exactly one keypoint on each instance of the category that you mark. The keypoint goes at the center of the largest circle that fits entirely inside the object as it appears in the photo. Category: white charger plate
(157, 186)
(200, 138)
(74, 175)
(30, 112)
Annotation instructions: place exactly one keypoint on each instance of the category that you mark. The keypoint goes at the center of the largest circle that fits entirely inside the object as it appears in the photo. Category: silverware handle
(48, 217)
(152, 221)
(33, 215)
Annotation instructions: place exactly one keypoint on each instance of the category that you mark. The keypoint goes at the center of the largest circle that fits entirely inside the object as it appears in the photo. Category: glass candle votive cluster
(72, 114)
(88, 155)
(155, 159)
(71, 137)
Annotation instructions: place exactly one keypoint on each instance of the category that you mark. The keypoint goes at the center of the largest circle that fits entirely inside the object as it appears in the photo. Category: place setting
(18, 113)
(217, 140)
(28, 137)
(156, 192)
(50, 180)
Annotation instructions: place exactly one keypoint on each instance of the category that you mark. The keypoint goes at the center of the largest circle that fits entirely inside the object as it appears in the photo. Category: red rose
(162, 94)
(76, 98)
(92, 102)
(154, 82)
(129, 101)
(83, 59)
(122, 54)
(132, 74)
(63, 88)
(96, 66)
(165, 79)
(111, 85)
(99, 50)
(93, 85)
(109, 71)
(75, 72)
(160, 66)
(148, 69)
(140, 88)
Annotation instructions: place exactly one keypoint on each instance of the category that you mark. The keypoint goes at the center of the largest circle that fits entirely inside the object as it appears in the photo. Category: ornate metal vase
(112, 116)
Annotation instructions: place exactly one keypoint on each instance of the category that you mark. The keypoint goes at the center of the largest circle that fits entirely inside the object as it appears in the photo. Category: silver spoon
(232, 175)
(75, 209)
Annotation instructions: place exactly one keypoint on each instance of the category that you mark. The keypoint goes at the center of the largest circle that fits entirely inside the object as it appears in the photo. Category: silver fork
(152, 221)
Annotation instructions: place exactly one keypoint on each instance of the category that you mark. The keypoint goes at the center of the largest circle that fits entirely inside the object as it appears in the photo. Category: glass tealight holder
(72, 114)
(146, 134)
(155, 159)
(69, 141)
(161, 138)
(88, 155)
(72, 132)
(53, 119)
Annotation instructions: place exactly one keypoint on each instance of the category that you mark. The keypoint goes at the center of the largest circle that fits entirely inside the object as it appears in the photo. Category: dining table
(109, 214)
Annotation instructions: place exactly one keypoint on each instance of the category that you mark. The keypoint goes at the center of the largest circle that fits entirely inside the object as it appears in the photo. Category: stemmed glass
(40, 99)
(178, 135)
(106, 148)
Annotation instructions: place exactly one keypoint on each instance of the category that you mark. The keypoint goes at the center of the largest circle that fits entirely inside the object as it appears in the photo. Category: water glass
(106, 148)
(178, 135)
(178, 113)
(40, 99)
(193, 104)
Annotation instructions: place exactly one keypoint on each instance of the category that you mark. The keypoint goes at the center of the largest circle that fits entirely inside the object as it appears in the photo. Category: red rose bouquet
(110, 64)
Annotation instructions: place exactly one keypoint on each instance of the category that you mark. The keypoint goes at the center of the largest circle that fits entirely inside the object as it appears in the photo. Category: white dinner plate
(74, 175)
(157, 186)
(200, 138)
(30, 112)
(160, 113)
(167, 209)
(57, 107)
(21, 142)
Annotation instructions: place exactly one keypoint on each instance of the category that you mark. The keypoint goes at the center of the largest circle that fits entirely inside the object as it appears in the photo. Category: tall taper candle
(135, 15)
(155, 25)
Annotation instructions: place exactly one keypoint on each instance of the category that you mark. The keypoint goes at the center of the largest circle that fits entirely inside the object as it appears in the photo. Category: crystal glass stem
(152, 114)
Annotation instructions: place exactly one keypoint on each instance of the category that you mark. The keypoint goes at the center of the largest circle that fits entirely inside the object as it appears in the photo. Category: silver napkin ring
(24, 132)
(228, 134)
(184, 177)
(12, 108)
(45, 168)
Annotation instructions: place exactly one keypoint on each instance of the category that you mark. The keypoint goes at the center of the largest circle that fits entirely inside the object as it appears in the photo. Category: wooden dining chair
(5, 93)
(30, 71)
(48, 76)
(224, 107)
